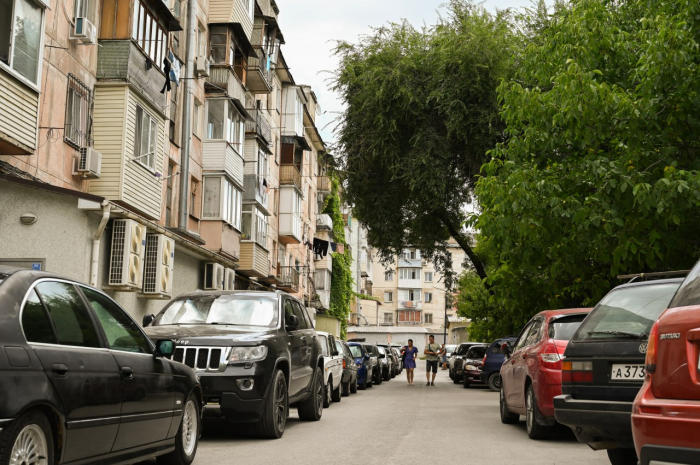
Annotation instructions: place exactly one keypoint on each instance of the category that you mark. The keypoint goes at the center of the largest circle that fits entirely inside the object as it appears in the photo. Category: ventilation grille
(117, 263)
(150, 279)
(200, 358)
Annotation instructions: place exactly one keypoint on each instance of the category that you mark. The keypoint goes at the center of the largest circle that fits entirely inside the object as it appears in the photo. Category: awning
(296, 140)
(242, 39)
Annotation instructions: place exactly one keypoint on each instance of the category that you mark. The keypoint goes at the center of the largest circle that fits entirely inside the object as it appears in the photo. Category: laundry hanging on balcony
(171, 67)
(320, 247)
(341, 248)
(334, 247)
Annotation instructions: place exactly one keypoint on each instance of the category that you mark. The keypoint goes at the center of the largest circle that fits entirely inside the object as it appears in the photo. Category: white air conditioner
(158, 265)
(88, 164)
(127, 255)
(229, 279)
(84, 31)
(213, 277)
(202, 66)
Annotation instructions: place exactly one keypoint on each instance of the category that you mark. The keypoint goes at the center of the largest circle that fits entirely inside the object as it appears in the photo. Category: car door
(508, 367)
(336, 360)
(299, 349)
(148, 385)
(80, 368)
(521, 361)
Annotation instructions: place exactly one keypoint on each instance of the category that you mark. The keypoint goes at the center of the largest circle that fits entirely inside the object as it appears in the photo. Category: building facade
(138, 129)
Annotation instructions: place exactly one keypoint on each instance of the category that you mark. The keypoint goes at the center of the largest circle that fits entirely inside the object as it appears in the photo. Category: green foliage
(366, 297)
(598, 176)
(422, 112)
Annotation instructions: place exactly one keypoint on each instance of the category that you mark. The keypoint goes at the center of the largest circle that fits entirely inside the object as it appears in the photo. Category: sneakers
(432, 384)
(428, 383)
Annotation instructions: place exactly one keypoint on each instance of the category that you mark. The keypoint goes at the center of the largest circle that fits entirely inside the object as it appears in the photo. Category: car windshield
(356, 351)
(227, 309)
(463, 349)
(381, 349)
(627, 313)
(450, 348)
(563, 329)
(476, 352)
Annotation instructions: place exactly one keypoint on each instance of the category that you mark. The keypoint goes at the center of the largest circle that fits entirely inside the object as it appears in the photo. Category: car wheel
(495, 382)
(449, 372)
(387, 375)
(380, 378)
(311, 409)
(534, 429)
(346, 389)
(337, 394)
(274, 416)
(465, 383)
(28, 440)
(507, 416)
(353, 387)
(456, 379)
(622, 456)
(187, 437)
(327, 393)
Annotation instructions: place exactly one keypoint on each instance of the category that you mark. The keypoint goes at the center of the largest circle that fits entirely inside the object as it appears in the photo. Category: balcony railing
(259, 79)
(289, 278)
(259, 126)
(414, 304)
(324, 185)
(290, 175)
(410, 317)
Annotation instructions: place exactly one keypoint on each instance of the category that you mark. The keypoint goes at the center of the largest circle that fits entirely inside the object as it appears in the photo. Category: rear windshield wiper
(621, 333)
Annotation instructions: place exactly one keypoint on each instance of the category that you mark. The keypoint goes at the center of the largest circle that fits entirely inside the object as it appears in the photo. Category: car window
(496, 349)
(299, 312)
(324, 345)
(535, 334)
(309, 320)
(68, 313)
(522, 339)
(476, 352)
(356, 351)
(380, 350)
(121, 331)
(562, 329)
(339, 347)
(228, 309)
(36, 322)
(689, 291)
(288, 308)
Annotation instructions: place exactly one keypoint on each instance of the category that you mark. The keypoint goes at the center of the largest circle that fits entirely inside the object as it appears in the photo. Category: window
(388, 317)
(412, 295)
(429, 277)
(388, 296)
(224, 122)
(150, 36)
(428, 297)
(409, 273)
(78, 115)
(222, 200)
(520, 343)
(411, 254)
(145, 140)
(70, 317)
(428, 318)
(535, 333)
(121, 331)
(85, 9)
(169, 195)
(389, 275)
(299, 312)
(35, 321)
(254, 226)
(201, 41)
(324, 346)
(21, 30)
(194, 205)
(197, 123)
(174, 132)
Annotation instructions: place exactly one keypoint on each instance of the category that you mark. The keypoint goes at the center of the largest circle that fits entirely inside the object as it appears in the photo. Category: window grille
(78, 125)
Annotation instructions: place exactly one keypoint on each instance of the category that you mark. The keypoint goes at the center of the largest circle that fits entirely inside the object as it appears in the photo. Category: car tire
(456, 380)
(507, 417)
(337, 393)
(465, 383)
(187, 438)
(387, 375)
(380, 377)
(449, 372)
(30, 430)
(311, 408)
(534, 429)
(346, 389)
(274, 417)
(495, 382)
(327, 393)
(622, 456)
(353, 387)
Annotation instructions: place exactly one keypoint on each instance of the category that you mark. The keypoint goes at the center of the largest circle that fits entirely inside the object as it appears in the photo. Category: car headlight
(248, 354)
(470, 368)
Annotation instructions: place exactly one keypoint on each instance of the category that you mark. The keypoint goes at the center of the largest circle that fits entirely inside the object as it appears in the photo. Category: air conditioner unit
(127, 255)
(202, 66)
(88, 164)
(229, 279)
(158, 265)
(213, 277)
(84, 31)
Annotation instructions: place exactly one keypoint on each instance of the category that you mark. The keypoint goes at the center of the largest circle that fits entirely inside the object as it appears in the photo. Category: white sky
(311, 26)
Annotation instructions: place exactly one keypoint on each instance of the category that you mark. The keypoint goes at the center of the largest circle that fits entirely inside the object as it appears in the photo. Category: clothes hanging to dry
(334, 247)
(320, 247)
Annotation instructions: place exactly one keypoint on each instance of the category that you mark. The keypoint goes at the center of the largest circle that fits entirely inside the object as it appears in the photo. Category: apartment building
(149, 187)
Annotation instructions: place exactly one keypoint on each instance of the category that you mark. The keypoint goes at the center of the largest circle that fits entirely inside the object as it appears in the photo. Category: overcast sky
(311, 26)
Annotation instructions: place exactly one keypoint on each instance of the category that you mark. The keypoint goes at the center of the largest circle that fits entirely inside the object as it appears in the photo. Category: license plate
(627, 372)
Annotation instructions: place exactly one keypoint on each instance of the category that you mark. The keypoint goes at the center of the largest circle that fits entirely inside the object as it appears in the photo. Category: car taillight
(652, 348)
(576, 372)
(551, 361)
(483, 362)
(344, 365)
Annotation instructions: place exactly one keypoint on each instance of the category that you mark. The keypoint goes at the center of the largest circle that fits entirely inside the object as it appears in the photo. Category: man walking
(431, 360)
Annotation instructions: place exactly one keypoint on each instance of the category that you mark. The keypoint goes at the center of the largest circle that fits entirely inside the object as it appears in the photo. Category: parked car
(472, 363)
(348, 384)
(394, 360)
(386, 363)
(531, 374)
(256, 354)
(332, 369)
(456, 359)
(77, 366)
(491, 366)
(376, 364)
(604, 367)
(666, 412)
(397, 353)
(364, 364)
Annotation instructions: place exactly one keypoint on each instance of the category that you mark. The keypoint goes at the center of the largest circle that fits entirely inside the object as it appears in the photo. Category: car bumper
(601, 424)
(548, 387)
(235, 409)
(223, 397)
(652, 455)
(473, 377)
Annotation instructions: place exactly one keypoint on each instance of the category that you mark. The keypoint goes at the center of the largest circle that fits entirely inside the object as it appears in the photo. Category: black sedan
(80, 382)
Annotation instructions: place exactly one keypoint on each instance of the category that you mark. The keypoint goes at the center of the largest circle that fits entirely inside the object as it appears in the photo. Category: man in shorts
(432, 358)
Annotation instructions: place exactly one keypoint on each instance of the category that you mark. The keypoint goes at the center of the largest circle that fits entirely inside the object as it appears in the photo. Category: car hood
(209, 334)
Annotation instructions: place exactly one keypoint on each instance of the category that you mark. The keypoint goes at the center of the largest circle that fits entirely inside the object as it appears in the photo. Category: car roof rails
(357, 339)
(656, 275)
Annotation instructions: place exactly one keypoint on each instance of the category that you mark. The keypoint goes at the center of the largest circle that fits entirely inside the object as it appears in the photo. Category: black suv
(82, 383)
(256, 354)
(603, 367)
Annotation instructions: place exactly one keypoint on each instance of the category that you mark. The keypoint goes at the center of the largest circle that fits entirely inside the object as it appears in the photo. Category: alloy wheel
(319, 396)
(190, 428)
(30, 447)
(280, 404)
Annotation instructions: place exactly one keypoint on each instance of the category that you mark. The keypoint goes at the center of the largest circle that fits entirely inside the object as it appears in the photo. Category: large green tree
(421, 114)
(598, 175)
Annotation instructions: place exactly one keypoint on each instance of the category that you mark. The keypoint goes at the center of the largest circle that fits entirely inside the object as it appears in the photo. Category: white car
(333, 368)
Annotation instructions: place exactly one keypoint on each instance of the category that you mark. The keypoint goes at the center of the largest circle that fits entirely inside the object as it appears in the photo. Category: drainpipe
(96, 243)
(186, 143)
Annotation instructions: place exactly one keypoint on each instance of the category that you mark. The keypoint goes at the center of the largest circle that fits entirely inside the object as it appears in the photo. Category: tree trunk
(463, 241)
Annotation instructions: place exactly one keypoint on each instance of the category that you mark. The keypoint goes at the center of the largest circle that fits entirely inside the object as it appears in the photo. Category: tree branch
(463, 241)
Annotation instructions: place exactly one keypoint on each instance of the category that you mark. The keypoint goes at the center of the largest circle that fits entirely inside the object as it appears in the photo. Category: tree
(598, 175)
(421, 114)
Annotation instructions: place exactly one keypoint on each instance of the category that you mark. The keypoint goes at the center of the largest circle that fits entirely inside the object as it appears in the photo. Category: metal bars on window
(78, 114)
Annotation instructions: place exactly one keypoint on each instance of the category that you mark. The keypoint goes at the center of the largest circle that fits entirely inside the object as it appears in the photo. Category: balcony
(409, 317)
(325, 263)
(415, 304)
(289, 279)
(255, 192)
(259, 72)
(254, 260)
(324, 185)
(325, 298)
(410, 263)
(220, 156)
(323, 280)
(258, 126)
(409, 283)
(223, 79)
(18, 124)
(324, 222)
(290, 228)
(290, 176)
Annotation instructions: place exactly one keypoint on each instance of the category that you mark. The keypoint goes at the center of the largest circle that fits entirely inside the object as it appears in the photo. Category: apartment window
(389, 275)
(411, 254)
(250, 7)
(428, 318)
(429, 277)
(428, 297)
(225, 50)
(174, 117)
(388, 318)
(412, 295)
(150, 36)
(225, 122)
(409, 273)
(222, 201)
(388, 296)
(85, 9)
(254, 226)
(21, 30)
(145, 139)
(78, 117)
(194, 191)
(201, 41)
(197, 123)
(169, 195)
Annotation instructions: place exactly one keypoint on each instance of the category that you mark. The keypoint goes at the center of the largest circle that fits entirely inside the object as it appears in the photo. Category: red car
(531, 375)
(666, 412)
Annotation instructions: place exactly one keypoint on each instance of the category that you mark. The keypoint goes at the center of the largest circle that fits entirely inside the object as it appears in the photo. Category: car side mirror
(148, 319)
(335, 353)
(506, 349)
(367, 357)
(164, 348)
(292, 322)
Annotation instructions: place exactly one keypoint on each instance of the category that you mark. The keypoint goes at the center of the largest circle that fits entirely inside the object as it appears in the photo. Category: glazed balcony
(324, 222)
(414, 304)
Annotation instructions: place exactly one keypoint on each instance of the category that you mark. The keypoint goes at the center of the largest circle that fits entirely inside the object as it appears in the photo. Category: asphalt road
(397, 424)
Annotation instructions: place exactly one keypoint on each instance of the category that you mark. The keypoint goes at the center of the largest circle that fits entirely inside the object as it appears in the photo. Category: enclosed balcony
(290, 215)
(288, 277)
(409, 278)
(414, 304)
(323, 185)
(258, 126)
(290, 176)
(324, 222)
(256, 191)
(255, 258)
(409, 317)
(230, 49)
